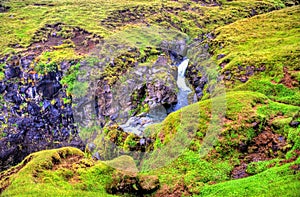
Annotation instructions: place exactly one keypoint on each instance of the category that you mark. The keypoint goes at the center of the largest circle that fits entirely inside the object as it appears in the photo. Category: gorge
(149, 98)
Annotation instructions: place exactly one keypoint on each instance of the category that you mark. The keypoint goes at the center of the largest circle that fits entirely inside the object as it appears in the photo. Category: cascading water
(184, 90)
(159, 113)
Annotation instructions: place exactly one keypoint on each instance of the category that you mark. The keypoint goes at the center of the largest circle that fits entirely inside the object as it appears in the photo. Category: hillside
(92, 103)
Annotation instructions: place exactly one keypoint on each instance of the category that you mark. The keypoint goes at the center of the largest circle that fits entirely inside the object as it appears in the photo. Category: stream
(184, 90)
(137, 124)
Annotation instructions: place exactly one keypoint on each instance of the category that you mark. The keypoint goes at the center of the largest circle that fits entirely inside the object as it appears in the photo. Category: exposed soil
(126, 16)
(179, 190)
(241, 73)
(67, 162)
(296, 167)
(4, 176)
(265, 146)
(53, 36)
(240, 171)
(287, 80)
(43, 4)
(208, 3)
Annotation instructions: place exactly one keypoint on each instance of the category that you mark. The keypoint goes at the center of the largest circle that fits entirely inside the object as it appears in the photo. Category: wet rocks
(12, 72)
(48, 88)
(176, 49)
(137, 124)
(159, 93)
(34, 111)
(2, 87)
(13, 97)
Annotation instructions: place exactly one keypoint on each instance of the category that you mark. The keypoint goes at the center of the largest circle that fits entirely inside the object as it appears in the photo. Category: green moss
(73, 85)
(260, 53)
(44, 174)
(58, 55)
(260, 166)
(277, 181)
(25, 18)
(43, 68)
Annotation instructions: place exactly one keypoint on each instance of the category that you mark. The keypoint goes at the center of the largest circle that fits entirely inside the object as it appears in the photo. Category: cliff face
(84, 73)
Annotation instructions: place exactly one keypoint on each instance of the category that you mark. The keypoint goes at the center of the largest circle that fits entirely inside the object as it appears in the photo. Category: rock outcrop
(34, 114)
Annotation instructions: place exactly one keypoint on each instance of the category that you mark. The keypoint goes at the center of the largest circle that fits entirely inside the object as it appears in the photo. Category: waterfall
(137, 124)
(184, 90)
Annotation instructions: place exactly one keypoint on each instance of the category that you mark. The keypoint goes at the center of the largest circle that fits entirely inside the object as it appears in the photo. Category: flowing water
(157, 114)
(184, 90)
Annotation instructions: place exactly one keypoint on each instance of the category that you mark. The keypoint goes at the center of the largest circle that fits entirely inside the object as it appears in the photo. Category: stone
(220, 56)
(13, 97)
(148, 184)
(243, 79)
(2, 87)
(12, 72)
(294, 123)
(48, 88)
(33, 109)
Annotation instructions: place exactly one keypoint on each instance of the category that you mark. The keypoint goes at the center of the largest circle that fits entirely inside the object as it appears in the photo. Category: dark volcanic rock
(13, 97)
(12, 72)
(4, 8)
(2, 87)
(48, 88)
(176, 49)
(33, 122)
(294, 123)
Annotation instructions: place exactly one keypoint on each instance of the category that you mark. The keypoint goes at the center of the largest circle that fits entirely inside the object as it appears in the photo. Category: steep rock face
(132, 87)
(34, 114)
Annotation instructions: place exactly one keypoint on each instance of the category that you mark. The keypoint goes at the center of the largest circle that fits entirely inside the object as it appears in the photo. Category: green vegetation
(267, 55)
(249, 129)
(37, 175)
(25, 18)
(277, 181)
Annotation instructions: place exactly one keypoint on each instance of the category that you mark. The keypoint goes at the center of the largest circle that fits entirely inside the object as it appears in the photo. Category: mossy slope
(261, 104)
(261, 54)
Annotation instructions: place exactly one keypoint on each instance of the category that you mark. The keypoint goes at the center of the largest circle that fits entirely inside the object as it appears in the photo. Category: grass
(53, 171)
(200, 170)
(196, 146)
(38, 177)
(277, 181)
(25, 18)
(272, 47)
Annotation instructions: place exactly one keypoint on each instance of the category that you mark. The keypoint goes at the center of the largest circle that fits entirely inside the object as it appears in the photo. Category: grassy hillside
(24, 21)
(68, 172)
(242, 143)
(262, 54)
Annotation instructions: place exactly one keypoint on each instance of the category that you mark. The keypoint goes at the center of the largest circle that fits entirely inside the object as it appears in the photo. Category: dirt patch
(60, 35)
(67, 162)
(130, 183)
(209, 3)
(267, 145)
(287, 80)
(5, 176)
(43, 4)
(136, 14)
(240, 171)
(179, 190)
(295, 167)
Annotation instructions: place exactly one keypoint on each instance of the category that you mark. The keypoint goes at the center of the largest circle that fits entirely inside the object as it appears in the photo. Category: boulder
(48, 88)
